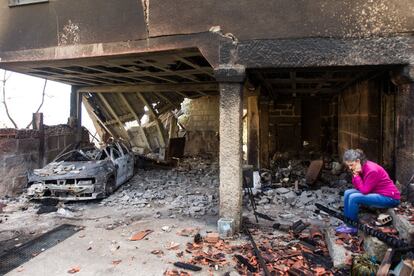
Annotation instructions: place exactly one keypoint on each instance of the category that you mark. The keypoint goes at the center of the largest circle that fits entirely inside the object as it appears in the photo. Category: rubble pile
(288, 203)
(350, 242)
(406, 209)
(190, 189)
(287, 196)
(284, 254)
(288, 172)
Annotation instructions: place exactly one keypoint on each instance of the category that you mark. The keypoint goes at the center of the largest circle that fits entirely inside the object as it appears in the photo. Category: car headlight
(85, 182)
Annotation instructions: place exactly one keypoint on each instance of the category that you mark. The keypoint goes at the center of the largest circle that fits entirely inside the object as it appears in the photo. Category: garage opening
(164, 107)
(318, 113)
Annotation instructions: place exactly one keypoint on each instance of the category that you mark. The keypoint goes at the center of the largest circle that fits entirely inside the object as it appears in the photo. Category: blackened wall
(62, 22)
(281, 18)
(329, 124)
(405, 133)
(359, 118)
(285, 125)
(66, 22)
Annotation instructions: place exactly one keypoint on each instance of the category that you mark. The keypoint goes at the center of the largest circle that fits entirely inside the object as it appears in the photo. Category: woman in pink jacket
(372, 187)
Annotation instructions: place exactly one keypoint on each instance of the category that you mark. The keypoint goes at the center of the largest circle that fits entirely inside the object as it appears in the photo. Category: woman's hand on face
(357, 169)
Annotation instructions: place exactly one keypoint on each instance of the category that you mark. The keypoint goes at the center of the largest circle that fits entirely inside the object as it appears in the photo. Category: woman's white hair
(354, 155)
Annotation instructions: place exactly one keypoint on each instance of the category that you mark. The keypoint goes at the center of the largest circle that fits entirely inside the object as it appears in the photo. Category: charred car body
(83, 174)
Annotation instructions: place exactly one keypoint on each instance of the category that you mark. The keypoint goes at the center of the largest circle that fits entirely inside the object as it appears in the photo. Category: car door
(120, 162)
(130, 161)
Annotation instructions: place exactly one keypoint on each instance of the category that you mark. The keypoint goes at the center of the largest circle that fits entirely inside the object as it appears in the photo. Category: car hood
(72, 169)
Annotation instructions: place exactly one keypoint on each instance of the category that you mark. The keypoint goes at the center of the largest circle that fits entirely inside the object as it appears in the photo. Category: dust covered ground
(175, 204)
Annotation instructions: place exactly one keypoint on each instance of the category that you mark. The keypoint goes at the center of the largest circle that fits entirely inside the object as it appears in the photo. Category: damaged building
(247, 82)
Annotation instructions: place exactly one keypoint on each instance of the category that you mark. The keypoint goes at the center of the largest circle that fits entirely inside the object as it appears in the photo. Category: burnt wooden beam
(113, 113)
(265, 84)
(203, 70)
(264, 133)
(175, 104)
(308, 90)
(144, 135)
(98, 123)
(159, 125)
(112, 73)
(156, 87)
(122, 118)
(305, 80)
(386, 263)
(293, 79)
(253, 130)
(169, 70)
(142, 73)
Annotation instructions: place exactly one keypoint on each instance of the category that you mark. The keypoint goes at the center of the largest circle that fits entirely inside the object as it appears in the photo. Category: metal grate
(17, 256)
(13, 3)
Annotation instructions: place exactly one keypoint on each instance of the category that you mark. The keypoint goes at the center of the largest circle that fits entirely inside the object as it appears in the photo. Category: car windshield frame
(67, 158)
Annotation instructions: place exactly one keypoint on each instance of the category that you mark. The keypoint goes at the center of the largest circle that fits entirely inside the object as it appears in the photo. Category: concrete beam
(231, 128)
(319, 52)
(160, 87)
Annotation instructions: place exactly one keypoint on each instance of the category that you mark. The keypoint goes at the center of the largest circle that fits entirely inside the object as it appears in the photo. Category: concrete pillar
(73, 101)
(404, 144)
(231, 111)
(37, 123)
(79, 119)
(75, 119)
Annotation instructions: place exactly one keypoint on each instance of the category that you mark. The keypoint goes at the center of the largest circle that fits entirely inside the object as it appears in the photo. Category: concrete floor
(135, 256)
(108, 227)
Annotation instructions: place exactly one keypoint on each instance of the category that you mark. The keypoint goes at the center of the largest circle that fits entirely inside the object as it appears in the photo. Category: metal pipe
(389, 240)
(257, 253)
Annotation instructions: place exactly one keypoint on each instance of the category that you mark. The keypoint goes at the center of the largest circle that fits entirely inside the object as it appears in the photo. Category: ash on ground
(284, 194)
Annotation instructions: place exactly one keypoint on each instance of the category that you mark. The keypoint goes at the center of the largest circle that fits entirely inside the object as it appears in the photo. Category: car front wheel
(110, 186)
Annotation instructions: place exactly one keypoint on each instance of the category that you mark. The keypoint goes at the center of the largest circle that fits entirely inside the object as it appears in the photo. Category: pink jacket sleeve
(365, 185)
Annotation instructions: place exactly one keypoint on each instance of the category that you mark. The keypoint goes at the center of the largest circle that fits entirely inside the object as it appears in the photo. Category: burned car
(83, 174)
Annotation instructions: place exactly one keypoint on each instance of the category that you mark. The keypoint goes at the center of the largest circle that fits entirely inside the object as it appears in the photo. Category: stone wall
(359, 118)
(20, 153)
(285, 125)
(58, 138)
(293, 120)
(201, 121)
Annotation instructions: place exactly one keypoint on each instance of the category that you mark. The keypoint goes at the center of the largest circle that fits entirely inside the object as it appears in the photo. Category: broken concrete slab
(289, 197)
(404, 227)
(374, 247)
(337, 252)
(282, 190)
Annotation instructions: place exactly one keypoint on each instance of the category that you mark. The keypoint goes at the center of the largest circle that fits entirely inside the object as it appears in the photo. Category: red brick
(8, 145)
(212, 237)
